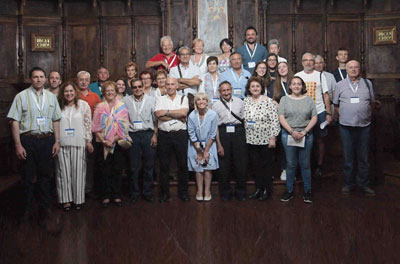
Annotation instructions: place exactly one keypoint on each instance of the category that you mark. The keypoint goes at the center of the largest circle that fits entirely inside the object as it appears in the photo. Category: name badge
(354, 100)
(172, 122)
(230, 129)
(69, 132)
(215, 99)
(251, 64)
(202, 144)
(251, 124)
(138, 124)
(41, 121)
(237, 91)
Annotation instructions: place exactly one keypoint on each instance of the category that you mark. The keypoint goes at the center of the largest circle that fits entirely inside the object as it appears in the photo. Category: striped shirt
(29, 109)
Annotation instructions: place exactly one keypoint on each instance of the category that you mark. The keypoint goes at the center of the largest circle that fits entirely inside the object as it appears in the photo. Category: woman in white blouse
(75, 138)
(262, 126)
(209, 81)
(198, 58)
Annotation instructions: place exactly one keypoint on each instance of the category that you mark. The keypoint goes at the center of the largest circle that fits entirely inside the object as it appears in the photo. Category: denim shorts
(318, 132)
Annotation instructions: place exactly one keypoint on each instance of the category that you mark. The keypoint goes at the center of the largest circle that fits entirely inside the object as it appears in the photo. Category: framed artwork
(385, 35)
(42, 42)
(212, 21)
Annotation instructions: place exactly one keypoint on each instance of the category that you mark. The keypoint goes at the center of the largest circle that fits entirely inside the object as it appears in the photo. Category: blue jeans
(299, 155)
(141, 150)
(355, 140)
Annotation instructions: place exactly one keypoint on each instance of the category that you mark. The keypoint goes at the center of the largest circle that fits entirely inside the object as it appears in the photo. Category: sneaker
(287, 196)
(283, 175)
(368, 191)
(307, 197)
(347, 189)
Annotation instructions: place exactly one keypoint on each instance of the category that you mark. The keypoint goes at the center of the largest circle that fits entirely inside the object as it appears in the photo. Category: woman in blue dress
(202, 149)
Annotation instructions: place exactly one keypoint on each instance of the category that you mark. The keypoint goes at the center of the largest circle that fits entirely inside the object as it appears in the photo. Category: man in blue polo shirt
(236, 76)
(251, 51)
(102, 76)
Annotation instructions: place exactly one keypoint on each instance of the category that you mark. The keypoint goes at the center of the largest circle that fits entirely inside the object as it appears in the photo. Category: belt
(39, 136)
(146, 130)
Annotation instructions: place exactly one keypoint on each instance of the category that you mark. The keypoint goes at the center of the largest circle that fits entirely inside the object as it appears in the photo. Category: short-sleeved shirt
(166, 103)
(354, 114)
(29, 109)
(142, 111)
(187, 72)
(172, 61)
(209, 86)
(260, 53)
(297, 112)
(96, 88)
(238, 83)
(315, 83)
(331, 82)
(92, 99)
(225, 116)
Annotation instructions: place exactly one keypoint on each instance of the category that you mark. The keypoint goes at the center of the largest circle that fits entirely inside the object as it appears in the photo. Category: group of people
(227, 112)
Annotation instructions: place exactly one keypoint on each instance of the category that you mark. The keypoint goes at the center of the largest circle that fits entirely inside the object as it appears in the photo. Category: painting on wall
(212, 23)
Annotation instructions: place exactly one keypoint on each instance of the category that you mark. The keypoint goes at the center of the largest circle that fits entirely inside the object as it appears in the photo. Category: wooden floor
(334, 229)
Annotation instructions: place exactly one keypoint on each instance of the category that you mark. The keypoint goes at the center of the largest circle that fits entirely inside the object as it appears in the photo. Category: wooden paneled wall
(90, 33)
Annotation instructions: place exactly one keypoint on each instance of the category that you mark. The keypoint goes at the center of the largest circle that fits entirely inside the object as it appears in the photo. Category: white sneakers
(283, 175)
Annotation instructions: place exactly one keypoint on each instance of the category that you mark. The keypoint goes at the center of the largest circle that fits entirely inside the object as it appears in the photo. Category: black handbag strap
(180, 72)
(232, 113)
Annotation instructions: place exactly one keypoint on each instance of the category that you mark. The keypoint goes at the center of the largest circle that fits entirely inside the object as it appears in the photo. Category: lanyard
(248, 51)
(234, 77)
(340, 72)
(215, 84)
(283, 87)
(172, 62)
(354, 89)
(201, 125)
(141, 107)
(37, 103)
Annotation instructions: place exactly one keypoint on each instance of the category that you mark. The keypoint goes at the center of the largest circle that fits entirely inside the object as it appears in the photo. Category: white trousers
(71, 174)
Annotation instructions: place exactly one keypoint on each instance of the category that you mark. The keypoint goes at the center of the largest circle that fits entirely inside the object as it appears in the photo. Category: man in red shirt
(165, 60)
(83, 80)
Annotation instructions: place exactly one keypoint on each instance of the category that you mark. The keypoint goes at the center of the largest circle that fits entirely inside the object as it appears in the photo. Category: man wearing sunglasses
(143, 130)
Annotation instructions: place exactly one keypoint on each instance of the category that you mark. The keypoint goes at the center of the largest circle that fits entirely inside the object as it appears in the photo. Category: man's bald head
(171, 85)
(353, 69)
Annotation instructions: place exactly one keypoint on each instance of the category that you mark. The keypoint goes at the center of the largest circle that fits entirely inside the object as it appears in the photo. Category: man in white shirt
(330, 79)
(274, 47)
(171, 111)
(317, 89)
(187, 74)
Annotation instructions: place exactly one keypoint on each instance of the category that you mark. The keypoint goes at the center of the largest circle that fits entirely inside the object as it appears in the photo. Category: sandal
(118, 202)
(67, 207)
(105, 202)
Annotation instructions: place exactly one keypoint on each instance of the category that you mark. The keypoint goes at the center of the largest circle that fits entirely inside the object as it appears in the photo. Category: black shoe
(78, 207)
(227, 197)
(368, 191)
(240, 197)
(307, 197)
(133, 199)
(148, 198)
(118, 202)
(184, 197)
(255, 194)
(164, 198)
(105, 203)
(287, 196)
(264, 196)
(318, 173)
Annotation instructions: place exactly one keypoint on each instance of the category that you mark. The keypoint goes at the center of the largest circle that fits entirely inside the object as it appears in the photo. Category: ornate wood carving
(294, 43)
(325, 25)
(264, 6)
(20, 50)
(133, 52)
(230, 18)
(64, 47)
(194, 20)
(362, 43)
(163, 10)
(101, 27)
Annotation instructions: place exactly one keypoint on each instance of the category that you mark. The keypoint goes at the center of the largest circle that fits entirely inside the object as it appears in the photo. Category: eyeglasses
(135, 87)
(308, 60)
(146, 78)
(184, 54)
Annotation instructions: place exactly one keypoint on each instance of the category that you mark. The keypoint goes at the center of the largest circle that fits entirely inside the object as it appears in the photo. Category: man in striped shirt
(35, 116)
